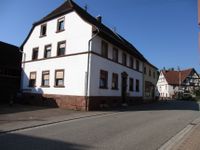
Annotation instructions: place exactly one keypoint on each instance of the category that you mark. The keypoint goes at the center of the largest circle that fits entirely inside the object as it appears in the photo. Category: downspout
(23, 68)
(88, 69)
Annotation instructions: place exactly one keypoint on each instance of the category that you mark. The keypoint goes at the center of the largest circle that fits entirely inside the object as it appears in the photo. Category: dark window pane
(43, 30)
(61, 25)
(104, 49)
(103, 83)
(35, 54)
(61, 48)
(130, 84)
(137, 86)
(59, 78)
(124, 59)
(115, 81)
(47, 51)
(137, 65)
(115, 54)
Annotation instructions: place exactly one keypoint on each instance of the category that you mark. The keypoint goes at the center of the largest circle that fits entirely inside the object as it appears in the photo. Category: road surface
(144, 127)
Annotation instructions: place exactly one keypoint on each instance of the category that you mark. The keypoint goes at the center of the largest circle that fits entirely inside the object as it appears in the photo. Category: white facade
(77, 34)
(74, 66)
(165, 90)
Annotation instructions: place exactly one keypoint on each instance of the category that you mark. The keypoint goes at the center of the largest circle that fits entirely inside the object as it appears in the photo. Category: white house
(171, 82)
(73, 60)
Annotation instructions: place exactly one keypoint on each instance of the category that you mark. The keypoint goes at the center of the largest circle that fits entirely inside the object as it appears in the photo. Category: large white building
(72, 60)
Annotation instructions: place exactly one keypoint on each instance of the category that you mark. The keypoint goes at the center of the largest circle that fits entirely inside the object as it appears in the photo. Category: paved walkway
(20, 117)
(190, 141)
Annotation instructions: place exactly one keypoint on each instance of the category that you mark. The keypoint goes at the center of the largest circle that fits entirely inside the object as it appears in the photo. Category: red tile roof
(174, 77)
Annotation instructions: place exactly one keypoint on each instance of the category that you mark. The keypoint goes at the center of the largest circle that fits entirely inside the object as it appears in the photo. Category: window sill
(45, 86)
(41, 36)
(103, 88)
(58, 31)
(32, 86)
(59, 86)
(34, 59)
(115, 88)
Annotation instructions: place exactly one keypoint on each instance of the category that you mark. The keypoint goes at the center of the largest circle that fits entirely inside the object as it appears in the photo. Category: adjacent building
(150, 81)
(75, 61)
(10, 71)
(172, 82)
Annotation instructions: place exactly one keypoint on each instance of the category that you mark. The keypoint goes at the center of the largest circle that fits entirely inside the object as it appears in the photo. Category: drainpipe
(88, 68)
(23, 68)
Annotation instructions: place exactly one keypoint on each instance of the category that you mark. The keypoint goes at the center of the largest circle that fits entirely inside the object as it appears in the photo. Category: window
(137, 65)
(145, 70)
(130, 84)
(103, 83)
(35, 54)
(61, 25)
(124, 59)
(45, 78)
(32, 79)
(150, 72)
(115, 54)
(47, 51)
(137, 86)
(104, 49)
(154, 75)
(43, 30)
(59, 78)
(131, 61)
(61, 48)
(114, 81)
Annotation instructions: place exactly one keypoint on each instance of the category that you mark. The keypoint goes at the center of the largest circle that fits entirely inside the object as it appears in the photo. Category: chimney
(99, 18)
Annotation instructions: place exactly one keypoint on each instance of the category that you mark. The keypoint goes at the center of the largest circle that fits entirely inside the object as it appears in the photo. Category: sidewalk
(191, 141)
(20, 117)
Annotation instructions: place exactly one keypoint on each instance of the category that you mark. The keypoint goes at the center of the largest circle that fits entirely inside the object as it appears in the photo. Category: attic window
(61, 25)
(43, 30)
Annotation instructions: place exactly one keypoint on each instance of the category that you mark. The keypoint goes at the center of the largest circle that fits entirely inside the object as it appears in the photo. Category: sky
(164, 31)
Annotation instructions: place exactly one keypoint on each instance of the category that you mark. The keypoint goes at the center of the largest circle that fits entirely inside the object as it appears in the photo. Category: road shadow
(161, 105)
(15, 108)
(25, 142)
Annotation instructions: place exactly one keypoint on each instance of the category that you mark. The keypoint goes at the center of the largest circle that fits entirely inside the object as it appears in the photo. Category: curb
(52, 123)
(179, 137)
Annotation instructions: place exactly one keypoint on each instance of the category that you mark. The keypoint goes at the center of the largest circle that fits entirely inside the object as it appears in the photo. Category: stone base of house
(77, 102)
(51, 100)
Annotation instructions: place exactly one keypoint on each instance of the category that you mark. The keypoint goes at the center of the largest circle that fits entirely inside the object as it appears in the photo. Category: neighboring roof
(3, 44)
(10, 55)
(174, 77)
(105, 32)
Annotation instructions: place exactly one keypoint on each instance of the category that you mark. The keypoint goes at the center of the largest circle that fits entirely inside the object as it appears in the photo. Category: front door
(123, 86)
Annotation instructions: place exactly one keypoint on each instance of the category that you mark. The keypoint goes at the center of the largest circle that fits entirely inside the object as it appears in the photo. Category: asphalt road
(145, 127)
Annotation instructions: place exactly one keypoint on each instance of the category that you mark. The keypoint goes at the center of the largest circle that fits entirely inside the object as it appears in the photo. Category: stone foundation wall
(61, 101)
(77, 102)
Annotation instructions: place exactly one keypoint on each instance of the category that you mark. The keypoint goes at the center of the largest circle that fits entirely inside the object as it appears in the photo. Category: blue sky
(164, 31)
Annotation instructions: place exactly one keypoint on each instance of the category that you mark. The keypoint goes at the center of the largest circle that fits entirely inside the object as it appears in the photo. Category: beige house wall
(151, 93)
